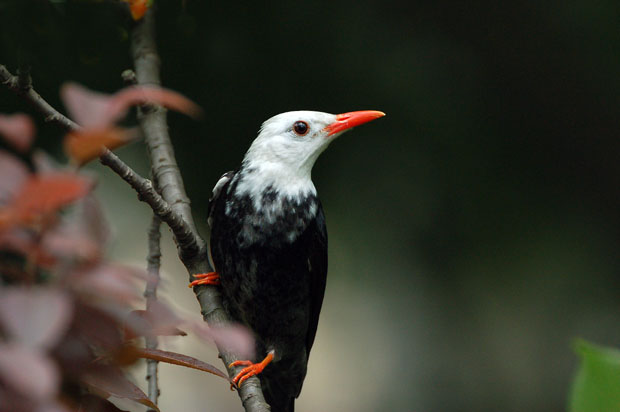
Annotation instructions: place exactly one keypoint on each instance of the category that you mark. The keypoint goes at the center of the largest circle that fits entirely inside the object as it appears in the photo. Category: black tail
(278, 394)
(280, 405)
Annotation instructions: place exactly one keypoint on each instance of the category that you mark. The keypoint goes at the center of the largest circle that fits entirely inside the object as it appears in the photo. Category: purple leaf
(81, 235)
(13, 174)
(112, 381)
(181, 360)
(35, 317)
(18, 130)
(159, 320)
(235, 338)
(28, 372)
(109, 283)
(95, 110)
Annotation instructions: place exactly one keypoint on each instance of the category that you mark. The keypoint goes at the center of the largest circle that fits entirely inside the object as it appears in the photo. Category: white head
(287, 146)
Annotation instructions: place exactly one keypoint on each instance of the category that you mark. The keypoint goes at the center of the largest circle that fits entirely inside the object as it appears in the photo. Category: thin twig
(147, 193)
(168, 177)
(150, 293)
(185, 236)
(24, 89)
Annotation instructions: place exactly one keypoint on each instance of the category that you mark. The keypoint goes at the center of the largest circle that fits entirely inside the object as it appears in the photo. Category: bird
(268, 246)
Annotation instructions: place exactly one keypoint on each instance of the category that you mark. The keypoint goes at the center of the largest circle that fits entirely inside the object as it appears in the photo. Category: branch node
(129, 77)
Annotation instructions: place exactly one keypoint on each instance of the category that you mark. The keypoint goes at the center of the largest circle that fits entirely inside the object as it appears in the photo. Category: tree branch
(168, 178)
(22, 86)
(150, 293)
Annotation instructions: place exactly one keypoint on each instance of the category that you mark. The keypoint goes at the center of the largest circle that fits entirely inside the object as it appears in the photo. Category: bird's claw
(250, 370)
(246, 373)
(211, 278)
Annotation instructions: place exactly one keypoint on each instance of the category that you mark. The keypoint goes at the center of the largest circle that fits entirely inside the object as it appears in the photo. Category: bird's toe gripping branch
(250, 370)
(211, 278)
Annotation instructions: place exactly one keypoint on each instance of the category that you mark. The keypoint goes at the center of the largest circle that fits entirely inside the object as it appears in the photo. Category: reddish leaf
(235, 338)
(17, 129)
(28, 372)
(179, 359)
(35, 317)
(84, 145)
(112, 381)
(109, 283)
(97, 327)
(159, 320)
(43, 194)
(85, 106)
(137, 95)
(80, 235)
(97, 110)
(77, 236)
(13, 174)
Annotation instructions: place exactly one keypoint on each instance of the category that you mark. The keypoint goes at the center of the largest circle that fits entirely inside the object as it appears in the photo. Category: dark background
(474, 230)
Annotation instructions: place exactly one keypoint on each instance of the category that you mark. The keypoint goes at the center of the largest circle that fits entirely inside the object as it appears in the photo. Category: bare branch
(150, 293)
(147, 193)
(154, 125)
(168, 177)
(24, 88)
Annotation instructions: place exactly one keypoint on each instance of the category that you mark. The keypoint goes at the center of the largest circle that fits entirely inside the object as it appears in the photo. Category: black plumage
(272, 274)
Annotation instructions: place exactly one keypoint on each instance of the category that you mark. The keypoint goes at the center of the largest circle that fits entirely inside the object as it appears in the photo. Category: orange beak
(346, 121)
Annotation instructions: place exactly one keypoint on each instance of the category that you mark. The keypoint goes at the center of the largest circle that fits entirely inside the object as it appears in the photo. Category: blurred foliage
(479, 218)
(597, 385)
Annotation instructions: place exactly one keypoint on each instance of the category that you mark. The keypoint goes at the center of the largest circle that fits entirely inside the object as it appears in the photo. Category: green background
(474, 231)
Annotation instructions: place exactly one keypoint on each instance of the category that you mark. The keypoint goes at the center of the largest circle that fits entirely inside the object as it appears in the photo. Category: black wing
(215, 195)
(318, 274)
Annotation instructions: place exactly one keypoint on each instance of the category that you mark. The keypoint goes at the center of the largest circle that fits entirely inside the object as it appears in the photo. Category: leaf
(47, 193)
(80, 235)
(235, 338)
(86, 107)
(35, 317)
(179, 359)
(112, 381)
(97, 328)
(596, 387)
(137, 95)
(84, 145)
(18, 130)
(107, 282)
(98, 110)
(159, 320)
(13, 174)
(28, 372)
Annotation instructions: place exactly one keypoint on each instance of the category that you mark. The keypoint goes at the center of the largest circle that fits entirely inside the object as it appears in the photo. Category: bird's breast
(272, 219)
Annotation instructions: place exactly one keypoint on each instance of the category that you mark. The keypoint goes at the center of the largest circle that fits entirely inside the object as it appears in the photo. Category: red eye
(301, 128)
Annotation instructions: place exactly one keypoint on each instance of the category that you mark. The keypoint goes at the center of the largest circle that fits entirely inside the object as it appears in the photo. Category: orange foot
(251, 370)
(211, 278)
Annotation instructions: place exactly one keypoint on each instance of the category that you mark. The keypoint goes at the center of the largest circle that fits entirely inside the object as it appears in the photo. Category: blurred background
(474, 231)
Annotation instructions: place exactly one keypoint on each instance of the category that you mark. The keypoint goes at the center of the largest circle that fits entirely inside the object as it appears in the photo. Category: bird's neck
(273, 181)
(271, 207)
